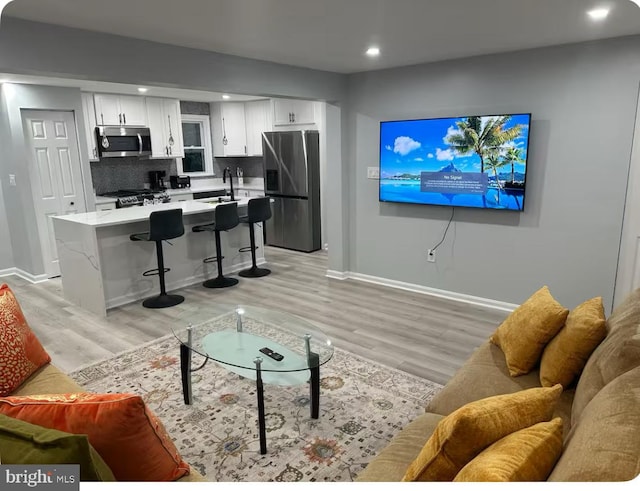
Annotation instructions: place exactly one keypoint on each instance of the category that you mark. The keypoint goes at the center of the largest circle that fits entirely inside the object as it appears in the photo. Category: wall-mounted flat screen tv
(470, 161)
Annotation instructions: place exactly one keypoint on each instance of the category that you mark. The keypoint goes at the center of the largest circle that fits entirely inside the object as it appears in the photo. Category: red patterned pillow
(21, 353)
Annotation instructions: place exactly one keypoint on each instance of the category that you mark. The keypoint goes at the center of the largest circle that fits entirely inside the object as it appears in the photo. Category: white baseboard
(175, 285)
(337, 275)
(426, 290)
(31, 278)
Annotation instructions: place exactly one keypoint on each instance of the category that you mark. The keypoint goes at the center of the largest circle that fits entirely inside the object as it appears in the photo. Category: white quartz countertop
(141, 213)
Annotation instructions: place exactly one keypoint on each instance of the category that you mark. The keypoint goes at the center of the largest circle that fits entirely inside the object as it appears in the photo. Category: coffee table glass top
(236, 337)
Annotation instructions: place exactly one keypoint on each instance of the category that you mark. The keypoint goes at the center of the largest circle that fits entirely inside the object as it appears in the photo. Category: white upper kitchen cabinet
(228, 128)
(90, 123)
(258, 120)
(120, 110)
(163, 117)
(292, 111)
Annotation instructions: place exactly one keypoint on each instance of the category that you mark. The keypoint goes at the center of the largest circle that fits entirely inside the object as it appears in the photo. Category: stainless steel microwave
(121, 141)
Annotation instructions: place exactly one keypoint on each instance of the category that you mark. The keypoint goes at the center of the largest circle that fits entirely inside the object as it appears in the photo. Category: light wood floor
(423, 335)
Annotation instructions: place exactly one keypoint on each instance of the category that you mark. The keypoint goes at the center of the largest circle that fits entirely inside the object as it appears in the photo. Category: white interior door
(55, 173)
(628, 276)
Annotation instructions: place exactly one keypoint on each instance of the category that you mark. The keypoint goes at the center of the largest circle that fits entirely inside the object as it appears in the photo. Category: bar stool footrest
(211, 259)
(247, 249)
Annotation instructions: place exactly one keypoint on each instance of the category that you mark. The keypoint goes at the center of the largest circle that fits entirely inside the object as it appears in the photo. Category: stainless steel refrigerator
(292, 181)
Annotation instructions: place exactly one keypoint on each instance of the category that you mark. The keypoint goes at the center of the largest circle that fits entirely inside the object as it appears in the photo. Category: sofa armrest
(391, 464)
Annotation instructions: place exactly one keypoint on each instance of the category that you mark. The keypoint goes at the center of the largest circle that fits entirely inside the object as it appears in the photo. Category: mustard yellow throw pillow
(566, 355)
(526, 455)
(524, 334)
(463, 434)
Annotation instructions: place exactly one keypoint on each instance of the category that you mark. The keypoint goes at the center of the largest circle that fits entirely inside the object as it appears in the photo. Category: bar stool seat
(258, 210)
(226, 218)
(163, 225)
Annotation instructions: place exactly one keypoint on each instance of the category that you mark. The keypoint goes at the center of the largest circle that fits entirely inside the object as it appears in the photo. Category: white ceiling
(333, 34)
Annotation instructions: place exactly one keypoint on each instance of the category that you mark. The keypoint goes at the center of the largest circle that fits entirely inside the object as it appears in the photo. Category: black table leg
(314, 367)
(185, 368)
(261, 421)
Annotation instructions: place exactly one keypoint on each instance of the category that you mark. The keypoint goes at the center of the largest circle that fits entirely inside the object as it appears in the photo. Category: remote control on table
(272, 354)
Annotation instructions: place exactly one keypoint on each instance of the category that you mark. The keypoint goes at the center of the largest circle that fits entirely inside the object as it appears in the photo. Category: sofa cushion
(617, 354)
(604, 444)
(25, 443)
(463, 434)
(119, 426)
(525, 455)
(21, 353)
(486, 374)
(565, 356)
(391, 464)
(47, 380)
(524, 334)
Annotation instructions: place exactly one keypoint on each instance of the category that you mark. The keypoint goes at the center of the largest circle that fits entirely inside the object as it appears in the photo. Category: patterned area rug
(362, 406)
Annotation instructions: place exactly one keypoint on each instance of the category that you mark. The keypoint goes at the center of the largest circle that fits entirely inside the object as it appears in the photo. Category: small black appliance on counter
(156, 180)
(179, 182)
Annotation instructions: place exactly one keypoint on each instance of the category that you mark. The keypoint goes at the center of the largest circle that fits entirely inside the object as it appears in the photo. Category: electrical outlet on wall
(431, 255)
(373, 173)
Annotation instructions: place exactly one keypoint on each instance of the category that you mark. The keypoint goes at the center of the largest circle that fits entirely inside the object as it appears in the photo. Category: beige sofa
(50, 380)
(601, 414)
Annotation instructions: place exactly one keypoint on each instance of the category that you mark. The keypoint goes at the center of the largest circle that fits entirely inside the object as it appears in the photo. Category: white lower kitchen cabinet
(182, 197)
(106, 206)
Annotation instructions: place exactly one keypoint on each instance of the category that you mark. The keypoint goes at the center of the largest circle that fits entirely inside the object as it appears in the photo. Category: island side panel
(125, 260)
(80, 265)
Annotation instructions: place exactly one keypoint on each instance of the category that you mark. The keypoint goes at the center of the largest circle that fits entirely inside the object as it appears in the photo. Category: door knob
(72, 203)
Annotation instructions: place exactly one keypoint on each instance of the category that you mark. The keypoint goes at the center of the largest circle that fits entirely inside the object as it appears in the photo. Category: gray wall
(18, 199)
(583, 103)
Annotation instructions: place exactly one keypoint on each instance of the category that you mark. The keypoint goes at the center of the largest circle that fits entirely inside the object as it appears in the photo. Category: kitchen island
(102, 268)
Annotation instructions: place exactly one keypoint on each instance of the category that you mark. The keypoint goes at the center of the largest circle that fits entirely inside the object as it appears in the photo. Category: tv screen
(470, 161)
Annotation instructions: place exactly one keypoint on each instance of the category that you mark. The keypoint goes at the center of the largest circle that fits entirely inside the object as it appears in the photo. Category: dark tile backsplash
(251, 166)
(111, 174)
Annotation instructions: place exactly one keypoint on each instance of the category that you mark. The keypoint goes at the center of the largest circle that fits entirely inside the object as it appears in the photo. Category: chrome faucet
(226, 171)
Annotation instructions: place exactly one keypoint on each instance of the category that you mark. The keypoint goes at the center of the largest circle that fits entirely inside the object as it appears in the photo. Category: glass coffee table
(264, 345)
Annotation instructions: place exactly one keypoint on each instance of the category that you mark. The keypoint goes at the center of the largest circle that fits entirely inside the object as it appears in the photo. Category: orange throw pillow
(21, 353)
(127, 435)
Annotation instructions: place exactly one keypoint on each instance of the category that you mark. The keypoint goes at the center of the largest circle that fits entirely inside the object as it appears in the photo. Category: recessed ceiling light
(142, 89)
(373, 51)
(637, 2)
(598, 14)
(226, 96)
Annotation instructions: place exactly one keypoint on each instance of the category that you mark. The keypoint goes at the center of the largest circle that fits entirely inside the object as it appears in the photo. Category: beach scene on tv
(473, 161)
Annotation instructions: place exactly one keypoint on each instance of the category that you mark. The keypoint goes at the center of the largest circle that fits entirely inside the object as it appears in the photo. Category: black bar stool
(258, 210)
(226, 218)
(163, 225)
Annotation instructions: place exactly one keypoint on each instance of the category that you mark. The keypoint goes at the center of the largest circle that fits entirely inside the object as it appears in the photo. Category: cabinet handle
(95, 152)
(120, 118)
(166, 150)
(290, 118)
(245, 149)
(102, 118)
(124, 118)
(293, 117)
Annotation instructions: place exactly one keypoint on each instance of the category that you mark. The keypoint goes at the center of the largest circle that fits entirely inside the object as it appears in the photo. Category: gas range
(137, 197)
